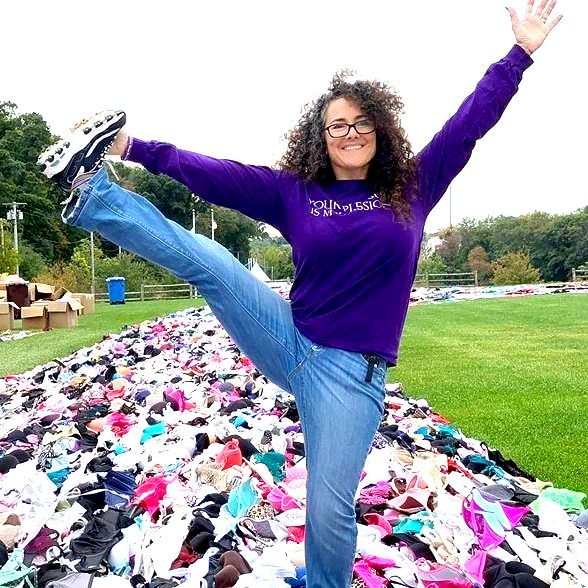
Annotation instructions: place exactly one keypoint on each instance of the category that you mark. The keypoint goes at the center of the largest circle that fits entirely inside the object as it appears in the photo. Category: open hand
(535, 26)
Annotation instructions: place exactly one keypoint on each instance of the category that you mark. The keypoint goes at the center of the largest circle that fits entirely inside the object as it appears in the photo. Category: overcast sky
(228, 79)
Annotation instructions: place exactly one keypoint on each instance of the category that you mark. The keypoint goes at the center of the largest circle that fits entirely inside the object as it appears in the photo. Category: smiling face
(350, 155)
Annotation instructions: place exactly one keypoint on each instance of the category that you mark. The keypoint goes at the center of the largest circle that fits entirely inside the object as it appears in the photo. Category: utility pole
(450, 225)
(93, 284)
(194, 200)
(15, 215)
(450, 202)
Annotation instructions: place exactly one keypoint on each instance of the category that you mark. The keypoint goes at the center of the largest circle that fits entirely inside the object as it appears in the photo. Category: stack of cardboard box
(50, 308)
(57, 309)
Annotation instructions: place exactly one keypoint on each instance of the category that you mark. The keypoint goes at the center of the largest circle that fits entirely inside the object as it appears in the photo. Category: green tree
(554, 243)
(274, 256)
(431, 264)
(126, 265)
(174, 200)
(22, 138)
(564, 246)
(80, 263)
(31, 263)
(450, 251)
(233, 230)
(479, 262)
(514, 268)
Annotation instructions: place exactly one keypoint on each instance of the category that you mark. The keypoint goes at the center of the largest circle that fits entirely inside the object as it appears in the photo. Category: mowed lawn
(20, 356)
(510, 371)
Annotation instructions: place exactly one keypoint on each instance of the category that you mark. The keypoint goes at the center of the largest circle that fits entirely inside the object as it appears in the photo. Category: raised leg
(256, 317)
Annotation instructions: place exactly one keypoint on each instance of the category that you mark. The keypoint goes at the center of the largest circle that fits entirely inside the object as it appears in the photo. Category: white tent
(259, 273)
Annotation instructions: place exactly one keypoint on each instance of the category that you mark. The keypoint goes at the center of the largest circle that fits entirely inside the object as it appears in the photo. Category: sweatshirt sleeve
(450, 149)
(252, 190)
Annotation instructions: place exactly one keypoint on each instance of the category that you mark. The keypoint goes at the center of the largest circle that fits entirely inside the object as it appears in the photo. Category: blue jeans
(340, 412)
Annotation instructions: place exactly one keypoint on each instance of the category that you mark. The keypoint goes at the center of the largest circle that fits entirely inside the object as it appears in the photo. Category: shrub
(76, 275)
(8, 259)
(61, 274)
(514, 268)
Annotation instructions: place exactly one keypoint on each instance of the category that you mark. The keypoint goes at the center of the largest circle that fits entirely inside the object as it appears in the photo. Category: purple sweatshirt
(355, 263)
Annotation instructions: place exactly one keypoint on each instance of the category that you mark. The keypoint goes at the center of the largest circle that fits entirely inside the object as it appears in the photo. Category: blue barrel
(116, 290)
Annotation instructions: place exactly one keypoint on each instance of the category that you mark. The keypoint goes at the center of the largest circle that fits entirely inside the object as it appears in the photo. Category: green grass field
(513, 372)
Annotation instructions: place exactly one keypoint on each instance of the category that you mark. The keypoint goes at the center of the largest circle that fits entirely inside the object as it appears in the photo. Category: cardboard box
(58, 293)
(35, 317)
(7, 315)
(87, 301)
(40, 291)
(19, 294)
(63, 314)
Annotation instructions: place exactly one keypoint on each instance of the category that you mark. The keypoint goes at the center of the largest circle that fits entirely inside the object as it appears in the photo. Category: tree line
(536, 247)
(532, 247)
(50, 249)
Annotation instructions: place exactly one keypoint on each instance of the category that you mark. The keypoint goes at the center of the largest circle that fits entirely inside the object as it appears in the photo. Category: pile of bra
(425, 295)
(161, 457)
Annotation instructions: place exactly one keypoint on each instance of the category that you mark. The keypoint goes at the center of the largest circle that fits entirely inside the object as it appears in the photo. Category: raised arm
(451, 148)
(252, 190)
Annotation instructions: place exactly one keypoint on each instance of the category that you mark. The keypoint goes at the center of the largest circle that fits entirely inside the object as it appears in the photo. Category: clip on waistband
(373, 360)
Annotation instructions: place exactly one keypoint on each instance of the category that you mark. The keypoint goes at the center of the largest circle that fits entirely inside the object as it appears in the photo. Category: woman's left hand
(534, 28)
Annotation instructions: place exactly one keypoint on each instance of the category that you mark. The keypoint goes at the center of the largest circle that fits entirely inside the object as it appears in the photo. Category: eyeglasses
(364, 126)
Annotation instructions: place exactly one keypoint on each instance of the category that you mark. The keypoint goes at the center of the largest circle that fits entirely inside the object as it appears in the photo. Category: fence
(429, 280)
(450, 279)
(155, 292)
(170, 291)
(580, 274)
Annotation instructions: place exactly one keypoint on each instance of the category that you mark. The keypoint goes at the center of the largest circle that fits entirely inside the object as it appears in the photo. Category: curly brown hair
(392, 167)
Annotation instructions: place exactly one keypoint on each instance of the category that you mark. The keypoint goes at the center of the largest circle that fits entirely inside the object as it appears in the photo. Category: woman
(352, 201)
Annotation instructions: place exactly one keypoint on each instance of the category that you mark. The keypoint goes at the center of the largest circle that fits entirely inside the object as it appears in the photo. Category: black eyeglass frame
(349, 127)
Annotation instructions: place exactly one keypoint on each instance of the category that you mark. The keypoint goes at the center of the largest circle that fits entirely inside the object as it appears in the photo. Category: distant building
(433, 244)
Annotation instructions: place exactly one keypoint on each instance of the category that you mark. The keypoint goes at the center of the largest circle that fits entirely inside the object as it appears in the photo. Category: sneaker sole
(84, 141)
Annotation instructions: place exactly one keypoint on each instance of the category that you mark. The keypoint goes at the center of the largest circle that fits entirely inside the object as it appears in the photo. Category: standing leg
(340, 413)
(257, 318)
